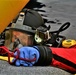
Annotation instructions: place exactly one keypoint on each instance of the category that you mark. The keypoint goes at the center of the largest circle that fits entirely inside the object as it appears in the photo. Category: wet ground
(55, 13)
(7, 69)
(63, 11)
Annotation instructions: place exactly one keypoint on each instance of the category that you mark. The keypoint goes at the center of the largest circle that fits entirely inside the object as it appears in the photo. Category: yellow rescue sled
(8, 10)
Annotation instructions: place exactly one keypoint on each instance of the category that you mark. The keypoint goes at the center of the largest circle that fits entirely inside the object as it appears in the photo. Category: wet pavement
(7, 69)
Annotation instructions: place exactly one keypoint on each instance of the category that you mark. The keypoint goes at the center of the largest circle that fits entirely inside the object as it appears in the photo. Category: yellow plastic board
(8, 10)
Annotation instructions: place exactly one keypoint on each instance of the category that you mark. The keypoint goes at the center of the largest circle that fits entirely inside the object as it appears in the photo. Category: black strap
(65, 61)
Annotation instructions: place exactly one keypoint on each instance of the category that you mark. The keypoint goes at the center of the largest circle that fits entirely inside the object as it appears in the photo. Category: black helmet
(27, 21)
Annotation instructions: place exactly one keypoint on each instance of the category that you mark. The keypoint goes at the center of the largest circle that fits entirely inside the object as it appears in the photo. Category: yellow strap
(5, 58)
(8, 10)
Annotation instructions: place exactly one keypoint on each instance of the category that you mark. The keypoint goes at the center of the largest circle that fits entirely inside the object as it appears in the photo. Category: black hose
(62, 28)
(55, 34)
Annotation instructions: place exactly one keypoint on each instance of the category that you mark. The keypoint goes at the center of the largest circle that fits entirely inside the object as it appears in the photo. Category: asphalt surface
(56, 13)
(7, 69)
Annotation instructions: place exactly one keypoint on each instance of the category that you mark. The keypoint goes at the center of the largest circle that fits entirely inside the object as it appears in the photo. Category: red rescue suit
(64, 58)
(67, 54)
